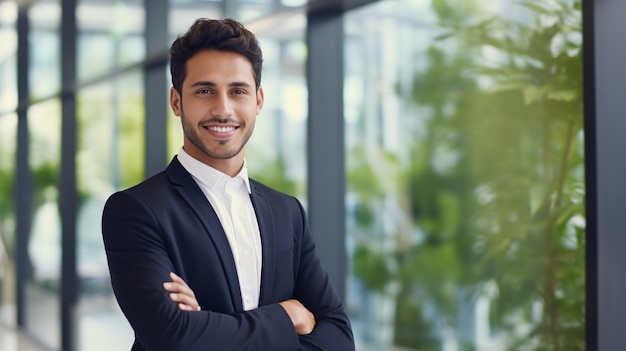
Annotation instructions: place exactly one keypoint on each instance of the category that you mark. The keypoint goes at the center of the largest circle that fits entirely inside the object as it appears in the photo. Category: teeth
(222, 129)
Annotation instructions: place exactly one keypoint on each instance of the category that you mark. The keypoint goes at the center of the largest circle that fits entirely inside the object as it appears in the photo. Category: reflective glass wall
(44, 242)
(276, 151)
(43, 281)
(109, 155)
(463, 127)
(8, 143)
(8, 132)
(465, 175)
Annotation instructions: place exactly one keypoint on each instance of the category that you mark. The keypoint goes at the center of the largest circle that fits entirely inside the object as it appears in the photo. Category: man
(202, 234)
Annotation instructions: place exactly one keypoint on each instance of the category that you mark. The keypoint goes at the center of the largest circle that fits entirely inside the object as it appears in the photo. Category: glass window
(184, 12)
(276, 151)
(465, 175)
(44, 243)
(110, 36)
(8, 62)
(110, 157)
(110, 117)
(8, 142)
(45, 49)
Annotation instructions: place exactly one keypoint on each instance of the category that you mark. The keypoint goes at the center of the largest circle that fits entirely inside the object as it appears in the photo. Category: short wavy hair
(223, 35)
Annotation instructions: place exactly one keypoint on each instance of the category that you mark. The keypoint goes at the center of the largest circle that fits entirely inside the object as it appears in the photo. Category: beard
(224, 149)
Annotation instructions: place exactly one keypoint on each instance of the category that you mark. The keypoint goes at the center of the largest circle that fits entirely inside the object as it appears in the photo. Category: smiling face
(218, 106)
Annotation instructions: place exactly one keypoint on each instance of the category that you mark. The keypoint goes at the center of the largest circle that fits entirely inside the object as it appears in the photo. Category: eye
(203, 91)
(239, 91)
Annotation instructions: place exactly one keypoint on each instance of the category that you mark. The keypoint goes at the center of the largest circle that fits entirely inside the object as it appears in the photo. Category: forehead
(218, 66)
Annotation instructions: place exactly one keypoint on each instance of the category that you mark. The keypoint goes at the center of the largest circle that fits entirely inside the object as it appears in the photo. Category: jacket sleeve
(314, 290)
(139, 263)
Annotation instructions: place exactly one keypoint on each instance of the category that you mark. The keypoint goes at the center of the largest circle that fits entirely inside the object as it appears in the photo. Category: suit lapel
(265, 219)
(193, 195)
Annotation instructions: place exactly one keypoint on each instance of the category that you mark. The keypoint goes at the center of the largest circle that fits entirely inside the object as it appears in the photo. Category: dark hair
(206, 34)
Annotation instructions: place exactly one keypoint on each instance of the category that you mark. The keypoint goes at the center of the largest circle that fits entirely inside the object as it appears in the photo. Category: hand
(302, 319)
(181, 293)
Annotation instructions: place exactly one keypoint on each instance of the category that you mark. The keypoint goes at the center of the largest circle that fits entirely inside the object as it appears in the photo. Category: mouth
(221, 131)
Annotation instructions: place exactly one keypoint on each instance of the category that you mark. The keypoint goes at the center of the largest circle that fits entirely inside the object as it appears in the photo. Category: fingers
(181, 293)
(178, 285)
(185, 302)
(176, 279)
(303, 320)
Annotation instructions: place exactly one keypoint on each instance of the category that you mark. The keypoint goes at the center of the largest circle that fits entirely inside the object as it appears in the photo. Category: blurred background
(439, 147)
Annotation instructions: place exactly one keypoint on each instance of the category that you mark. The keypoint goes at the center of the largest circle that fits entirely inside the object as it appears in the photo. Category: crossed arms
(179, 292)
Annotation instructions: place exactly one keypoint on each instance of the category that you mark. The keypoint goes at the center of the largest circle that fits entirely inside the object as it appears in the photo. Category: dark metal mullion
(325, 143)
(605, 83)
(68, 199)
(23, 175)
(591, 240)
(155, 86)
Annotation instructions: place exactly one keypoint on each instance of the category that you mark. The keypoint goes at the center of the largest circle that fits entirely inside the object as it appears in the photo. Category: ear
(175, 101)
(259, 100)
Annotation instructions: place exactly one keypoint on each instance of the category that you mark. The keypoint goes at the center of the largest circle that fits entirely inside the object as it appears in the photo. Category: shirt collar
(208, 175)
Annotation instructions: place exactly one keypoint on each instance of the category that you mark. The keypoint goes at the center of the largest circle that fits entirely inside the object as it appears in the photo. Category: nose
(222, 105)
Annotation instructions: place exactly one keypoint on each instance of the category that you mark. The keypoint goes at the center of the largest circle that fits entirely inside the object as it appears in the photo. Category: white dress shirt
(230, 198)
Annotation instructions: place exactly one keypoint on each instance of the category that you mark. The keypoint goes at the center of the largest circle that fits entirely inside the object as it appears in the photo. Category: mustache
(219, 120)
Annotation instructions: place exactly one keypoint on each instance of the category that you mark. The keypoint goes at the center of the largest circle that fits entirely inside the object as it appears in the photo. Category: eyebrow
(203, 83)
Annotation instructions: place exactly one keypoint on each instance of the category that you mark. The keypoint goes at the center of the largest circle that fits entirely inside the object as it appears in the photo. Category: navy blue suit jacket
(166, 224)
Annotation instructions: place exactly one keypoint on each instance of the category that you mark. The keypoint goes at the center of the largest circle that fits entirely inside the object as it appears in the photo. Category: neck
(231, 166)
